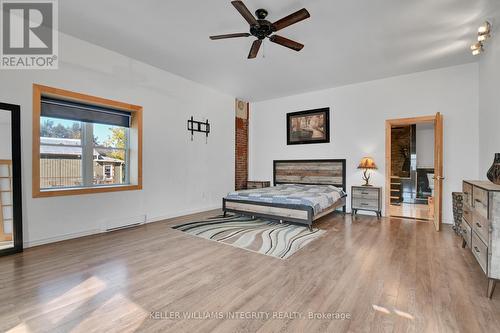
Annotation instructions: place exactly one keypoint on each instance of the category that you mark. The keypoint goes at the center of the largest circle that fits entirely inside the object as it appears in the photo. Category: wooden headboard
(313, 172)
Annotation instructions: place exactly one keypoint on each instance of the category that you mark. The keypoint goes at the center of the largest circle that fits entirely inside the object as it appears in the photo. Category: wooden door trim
(411, 121)
(438, 170)
(389, 123)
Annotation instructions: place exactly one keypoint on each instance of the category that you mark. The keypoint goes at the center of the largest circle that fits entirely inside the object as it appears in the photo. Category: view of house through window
(82, 154)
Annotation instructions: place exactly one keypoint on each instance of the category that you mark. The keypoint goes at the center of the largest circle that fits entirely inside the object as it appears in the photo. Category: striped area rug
(265, 237)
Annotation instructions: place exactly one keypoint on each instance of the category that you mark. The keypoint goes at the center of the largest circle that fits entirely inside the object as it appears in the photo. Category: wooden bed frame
(309, 172)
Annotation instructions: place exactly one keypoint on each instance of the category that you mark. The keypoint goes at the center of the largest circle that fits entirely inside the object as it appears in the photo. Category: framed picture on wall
(305, 127)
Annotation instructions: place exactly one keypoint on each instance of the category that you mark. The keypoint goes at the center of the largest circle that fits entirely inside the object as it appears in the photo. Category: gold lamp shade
(367, 163)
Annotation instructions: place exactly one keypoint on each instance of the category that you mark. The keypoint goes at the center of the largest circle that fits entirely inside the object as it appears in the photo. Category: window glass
(110, 143)
(60, 153)
(110, 166)
(79, 154)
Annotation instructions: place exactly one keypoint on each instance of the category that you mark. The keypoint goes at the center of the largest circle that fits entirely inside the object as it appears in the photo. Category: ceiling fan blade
(291, 19)
(286, 42)
(243, 34)
(255, 49)
(247, 15)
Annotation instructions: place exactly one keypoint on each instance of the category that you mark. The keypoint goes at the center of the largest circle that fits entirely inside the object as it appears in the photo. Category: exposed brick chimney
(241, 147)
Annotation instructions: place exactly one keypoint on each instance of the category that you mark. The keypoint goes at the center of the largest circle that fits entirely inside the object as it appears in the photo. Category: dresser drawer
(467, 190)
(480, 201)
(467, 233)
(480, 251)
(370, 204)
(467, 214)
(481, 226)
(367, 193)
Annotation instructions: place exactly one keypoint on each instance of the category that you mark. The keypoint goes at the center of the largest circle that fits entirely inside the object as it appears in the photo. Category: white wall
(5, 140)
(179, 176)
(358, 114)
(425, 145)
(489, 102)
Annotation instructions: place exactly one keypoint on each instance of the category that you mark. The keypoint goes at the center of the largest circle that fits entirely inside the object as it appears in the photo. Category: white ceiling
(345, 41)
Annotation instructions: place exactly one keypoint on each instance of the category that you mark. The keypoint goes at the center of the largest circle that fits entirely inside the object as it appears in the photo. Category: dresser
(481, 227)
(367, 198)
(257, 184)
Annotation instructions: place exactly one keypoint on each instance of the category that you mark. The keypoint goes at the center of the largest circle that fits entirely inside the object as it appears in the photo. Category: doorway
(414, 168)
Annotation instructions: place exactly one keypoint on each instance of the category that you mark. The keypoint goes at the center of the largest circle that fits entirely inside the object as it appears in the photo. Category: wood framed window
(84, 144)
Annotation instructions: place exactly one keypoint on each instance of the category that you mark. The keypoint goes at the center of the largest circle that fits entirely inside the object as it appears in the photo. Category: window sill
(86, 190)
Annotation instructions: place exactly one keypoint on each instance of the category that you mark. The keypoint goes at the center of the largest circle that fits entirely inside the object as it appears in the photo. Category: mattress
(319, 197)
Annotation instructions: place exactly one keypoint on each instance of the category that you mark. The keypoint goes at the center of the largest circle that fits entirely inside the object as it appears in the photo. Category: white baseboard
(60, 238)
(120, 223)
(181, 213)
(89, 232)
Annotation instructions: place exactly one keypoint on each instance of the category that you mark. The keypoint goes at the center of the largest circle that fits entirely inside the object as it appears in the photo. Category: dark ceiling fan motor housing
(264, 28)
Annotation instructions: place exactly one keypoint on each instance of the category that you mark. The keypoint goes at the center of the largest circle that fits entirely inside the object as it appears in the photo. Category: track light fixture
(477, 48)
(483, 33)
(485, 28)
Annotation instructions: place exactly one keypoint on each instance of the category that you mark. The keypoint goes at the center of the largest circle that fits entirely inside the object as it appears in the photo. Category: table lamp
(367, 163)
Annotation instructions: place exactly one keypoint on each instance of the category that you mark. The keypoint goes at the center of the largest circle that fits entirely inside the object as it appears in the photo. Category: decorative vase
(494, 172)
(458, 210)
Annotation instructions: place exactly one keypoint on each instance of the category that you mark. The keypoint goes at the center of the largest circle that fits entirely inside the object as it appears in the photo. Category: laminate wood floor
(389, 276)
(416, 211)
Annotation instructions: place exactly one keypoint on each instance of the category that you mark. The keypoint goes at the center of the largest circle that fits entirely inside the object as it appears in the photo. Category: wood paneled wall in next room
(241, 146)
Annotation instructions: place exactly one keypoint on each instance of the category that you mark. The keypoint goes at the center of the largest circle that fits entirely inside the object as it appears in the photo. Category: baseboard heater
(130, 222)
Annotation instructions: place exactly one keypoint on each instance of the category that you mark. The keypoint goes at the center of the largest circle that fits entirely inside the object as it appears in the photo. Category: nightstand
(366, 198)
(257, 184)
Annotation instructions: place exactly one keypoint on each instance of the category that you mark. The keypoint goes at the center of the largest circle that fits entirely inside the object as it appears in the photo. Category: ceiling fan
(262, 28)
